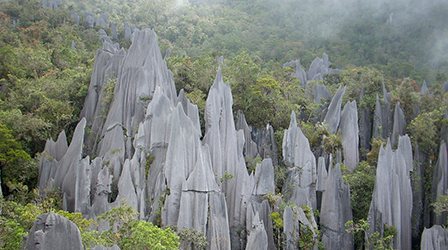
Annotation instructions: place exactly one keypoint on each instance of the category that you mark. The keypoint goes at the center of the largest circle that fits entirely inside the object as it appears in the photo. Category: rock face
(302, 173)
(258, 143)
(53, 231)
(392, 196)
(258, 238)
(350, 130)
(335, 212)
(89, 19)
(333, 116)
(145, 144)
(424, 89)
(382, 118)
(434, 238)
(399, 127)
(318, 68)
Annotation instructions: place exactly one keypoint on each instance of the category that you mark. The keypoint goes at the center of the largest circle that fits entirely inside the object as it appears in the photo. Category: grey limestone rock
(399, 127)
(321, 93)
(445, 86)
(434, 238)
(113, 28)
(258, 142)
(333, 116)
(382, 117)
(264, 178)
(290, 228)
(392, 196)
(302, 172)
(315, 67)
(89, 19)
(349, 129)
(218, 234)
(299, 73)
(257, 238)
(72, 47)
(127, 31)
(321, 174)
(264, 211)
(424, 90)
(101, 21)
(68, 167)
(226, 152)
(250, 147)
(335, 212)
(53, 231)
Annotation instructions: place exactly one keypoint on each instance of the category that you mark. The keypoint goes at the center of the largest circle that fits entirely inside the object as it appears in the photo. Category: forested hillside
(389, 58)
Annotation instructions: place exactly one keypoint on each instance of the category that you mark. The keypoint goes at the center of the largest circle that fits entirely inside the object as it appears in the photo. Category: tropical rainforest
(46, 62)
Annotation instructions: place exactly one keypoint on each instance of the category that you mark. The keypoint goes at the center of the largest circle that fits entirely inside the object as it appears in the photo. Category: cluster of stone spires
(145, 146)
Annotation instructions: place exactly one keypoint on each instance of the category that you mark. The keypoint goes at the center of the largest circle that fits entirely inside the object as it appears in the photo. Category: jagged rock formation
(335, 212)
(258, 143)
(424, 90)
(333, 116)
(434, 238)
(382, 117)
(318, 68)
(440, 180)
(53, 4)
(257, 238)
(113, 28)
(145, 144)
(53, 231)
(392, 196)
(321, 93)
(399, 127)
(302, 173)
(89, 19)
(101, 21)
(350, 130)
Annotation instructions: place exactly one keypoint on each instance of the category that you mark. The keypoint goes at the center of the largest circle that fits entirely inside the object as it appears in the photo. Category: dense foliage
(43, 82)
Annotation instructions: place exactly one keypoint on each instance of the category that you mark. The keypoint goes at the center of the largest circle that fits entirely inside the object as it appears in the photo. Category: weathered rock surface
(335, 212)
(392, 196)
(434, 238)
(89, 19)
(258, 143)
(53, 231)
(321, 93)
(424, 90)
(399, 127)
(382, 118)
(318, 68)
(302, 173)
(333, 116)
(258, 238)
(350, 134)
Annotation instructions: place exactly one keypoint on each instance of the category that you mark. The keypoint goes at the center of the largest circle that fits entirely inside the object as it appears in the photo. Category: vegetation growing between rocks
(43, 82)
